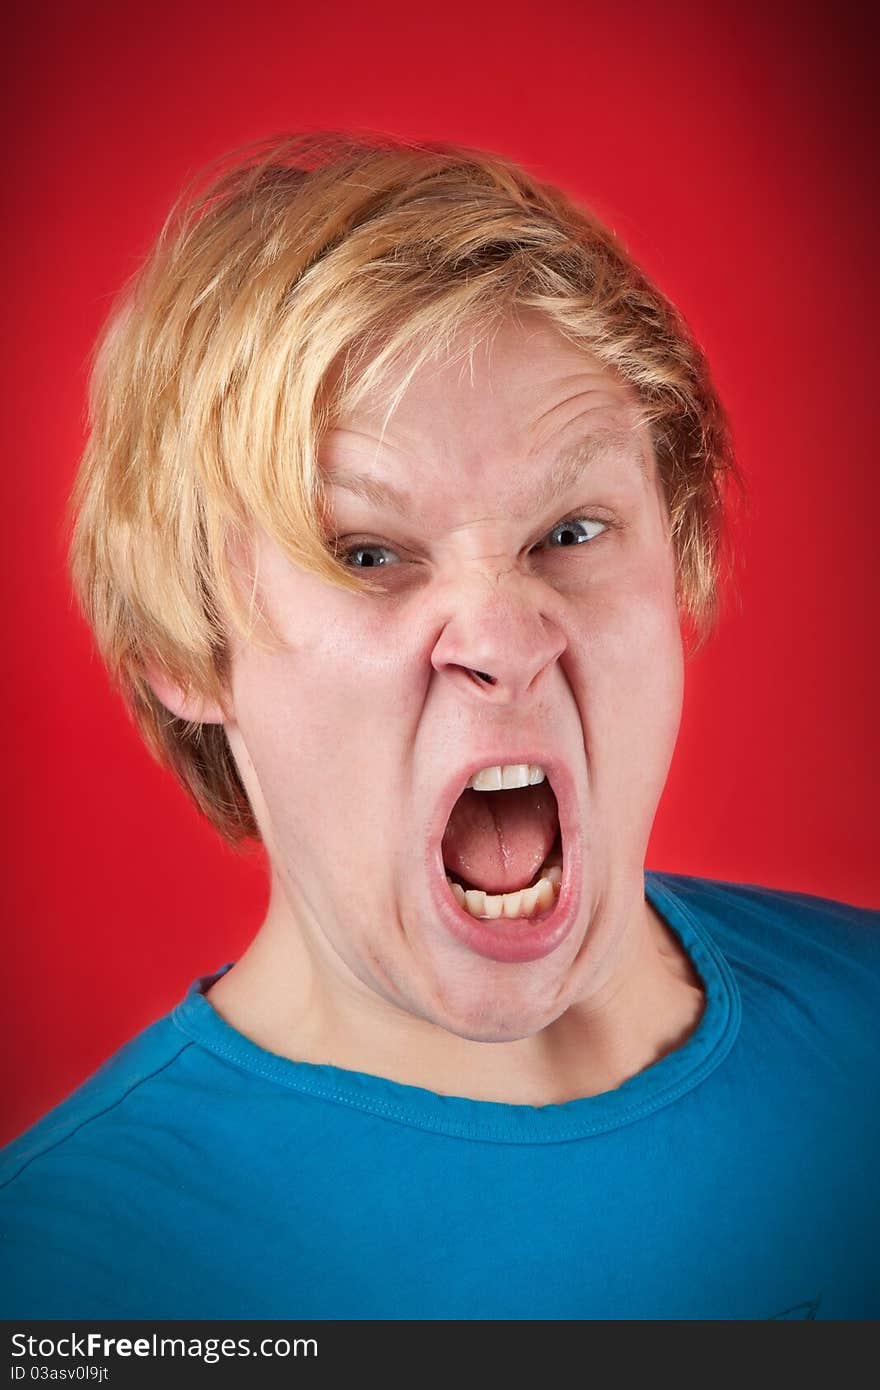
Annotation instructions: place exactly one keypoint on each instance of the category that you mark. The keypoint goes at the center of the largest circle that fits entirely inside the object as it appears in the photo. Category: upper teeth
(502, 776)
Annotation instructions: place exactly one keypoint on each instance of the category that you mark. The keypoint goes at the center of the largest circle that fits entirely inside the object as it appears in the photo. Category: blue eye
(573, 531)
(368, 551)
(569, 530)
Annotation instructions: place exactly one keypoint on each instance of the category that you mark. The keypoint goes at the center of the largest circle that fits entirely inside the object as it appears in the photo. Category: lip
(500, 939)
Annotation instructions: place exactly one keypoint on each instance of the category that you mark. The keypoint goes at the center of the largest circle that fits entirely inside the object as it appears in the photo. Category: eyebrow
(564, 473)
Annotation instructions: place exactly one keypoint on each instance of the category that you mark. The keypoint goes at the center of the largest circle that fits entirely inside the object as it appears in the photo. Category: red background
(730, 144)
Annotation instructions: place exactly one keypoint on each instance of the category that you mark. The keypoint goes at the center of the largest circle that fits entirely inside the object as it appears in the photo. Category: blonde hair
(286, 287)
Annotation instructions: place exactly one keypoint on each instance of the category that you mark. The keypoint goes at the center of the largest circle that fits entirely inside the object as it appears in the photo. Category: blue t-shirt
(196, 1175)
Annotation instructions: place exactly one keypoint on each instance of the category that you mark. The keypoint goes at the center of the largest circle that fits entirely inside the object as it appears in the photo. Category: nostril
(481, 675)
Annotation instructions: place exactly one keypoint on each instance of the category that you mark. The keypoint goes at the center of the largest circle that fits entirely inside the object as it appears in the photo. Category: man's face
(356, 740)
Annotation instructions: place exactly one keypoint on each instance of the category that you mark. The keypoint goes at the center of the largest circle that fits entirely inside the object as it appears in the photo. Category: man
(402, 488)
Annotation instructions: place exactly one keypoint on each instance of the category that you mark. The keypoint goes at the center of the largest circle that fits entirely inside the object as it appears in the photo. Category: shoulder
(809, 954)
(98, 1174)
(781, 919)
(126, 1080)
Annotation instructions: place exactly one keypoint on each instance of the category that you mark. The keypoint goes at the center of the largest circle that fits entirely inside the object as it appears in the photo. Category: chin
(478, 1015)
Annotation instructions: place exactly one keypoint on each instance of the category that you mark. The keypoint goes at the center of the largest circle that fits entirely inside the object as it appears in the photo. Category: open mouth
(502, 847)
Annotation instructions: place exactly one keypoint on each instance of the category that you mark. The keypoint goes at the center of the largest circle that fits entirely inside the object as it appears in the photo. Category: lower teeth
(523, 903)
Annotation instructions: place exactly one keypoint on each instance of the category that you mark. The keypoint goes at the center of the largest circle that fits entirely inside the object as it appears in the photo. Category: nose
(498, 636)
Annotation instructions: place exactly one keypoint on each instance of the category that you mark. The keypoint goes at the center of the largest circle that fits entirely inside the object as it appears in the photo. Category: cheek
(632, 671)
(321, 718)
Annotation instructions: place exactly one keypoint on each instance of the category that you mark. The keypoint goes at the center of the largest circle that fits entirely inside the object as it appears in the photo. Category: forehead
(523, 404)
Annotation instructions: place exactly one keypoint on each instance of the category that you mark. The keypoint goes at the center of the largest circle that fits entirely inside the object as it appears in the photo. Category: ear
(192, 707)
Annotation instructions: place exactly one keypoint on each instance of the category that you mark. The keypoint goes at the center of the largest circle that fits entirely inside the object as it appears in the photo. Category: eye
(574, 530)
(364, 557)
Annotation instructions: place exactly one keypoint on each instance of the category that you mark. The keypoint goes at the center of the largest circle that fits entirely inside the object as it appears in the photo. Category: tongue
(498, 840)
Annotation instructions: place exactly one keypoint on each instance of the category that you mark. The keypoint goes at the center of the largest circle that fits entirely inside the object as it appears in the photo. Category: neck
(280, 996)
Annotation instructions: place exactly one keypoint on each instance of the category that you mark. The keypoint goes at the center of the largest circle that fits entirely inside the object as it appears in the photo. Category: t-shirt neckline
(494, 1121)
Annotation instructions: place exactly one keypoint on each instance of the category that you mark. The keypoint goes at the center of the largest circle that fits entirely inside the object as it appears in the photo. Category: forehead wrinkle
(363, 485)
(565, 471)
(371, 490)
(379, 442)
(573, 460)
